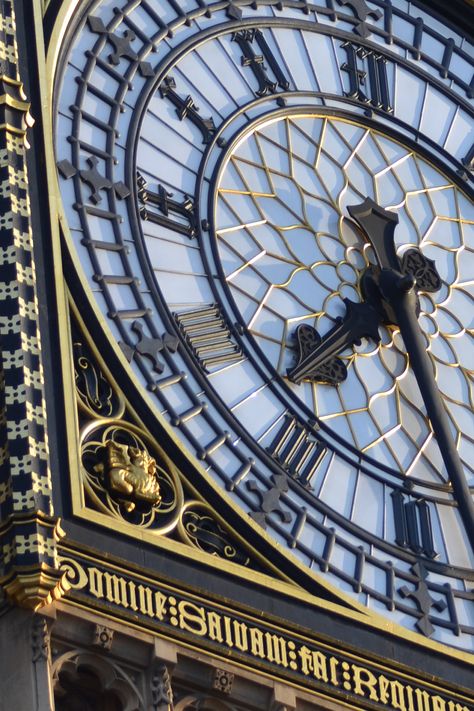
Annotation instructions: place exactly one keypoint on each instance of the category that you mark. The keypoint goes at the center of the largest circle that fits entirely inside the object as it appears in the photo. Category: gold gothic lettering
(240, 635)
(192, 618)
(132, 596)
(398, 696)
(276, 649)
(116, 589)
(214, 627)
(384, 689)
(365, 682)
(257, 646)
(333, 665)
(257, 642)
(95, 582)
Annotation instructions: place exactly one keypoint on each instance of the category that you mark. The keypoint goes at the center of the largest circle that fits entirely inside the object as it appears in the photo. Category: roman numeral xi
(246, 39)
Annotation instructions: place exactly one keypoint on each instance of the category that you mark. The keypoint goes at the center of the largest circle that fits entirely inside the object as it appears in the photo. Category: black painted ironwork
(93, 178)
(468, 160)
(413, 524)
(317, 356)
(337, 545)
(299, 453)
(186, 108)
(205, 330)
(92, 386)
(368, 82)
(394, 295)
(209, 536)
(423, 599)
(362, 12)
(245, 39)
(163, 201)
(422, 269)
(233, 11)
(270, 500)
(418, 30)
(122, 45)
(150, 347)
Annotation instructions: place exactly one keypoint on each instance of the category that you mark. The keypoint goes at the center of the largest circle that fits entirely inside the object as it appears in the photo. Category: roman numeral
(297, 451)
(255, 62)
(186, 108)
(205, 330)
(413, 524)
(368, 82)
(163, 202)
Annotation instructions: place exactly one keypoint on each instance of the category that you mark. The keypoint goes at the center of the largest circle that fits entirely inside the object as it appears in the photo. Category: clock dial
(208, 155)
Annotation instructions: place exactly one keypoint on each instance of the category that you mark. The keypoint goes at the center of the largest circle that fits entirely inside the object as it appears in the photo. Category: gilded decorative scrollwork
(127, 477)
(95, 394)
(199, 527)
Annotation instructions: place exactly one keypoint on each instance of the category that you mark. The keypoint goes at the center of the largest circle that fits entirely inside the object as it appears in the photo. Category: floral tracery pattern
(290, 255)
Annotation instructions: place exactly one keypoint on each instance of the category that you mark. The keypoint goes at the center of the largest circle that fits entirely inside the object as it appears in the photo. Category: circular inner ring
(290, 256)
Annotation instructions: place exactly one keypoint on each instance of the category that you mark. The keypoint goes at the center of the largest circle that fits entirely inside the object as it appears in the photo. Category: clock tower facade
(237, 344)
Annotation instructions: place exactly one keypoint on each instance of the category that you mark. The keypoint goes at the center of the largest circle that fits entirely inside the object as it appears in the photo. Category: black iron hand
(393, 294)
(360, 321)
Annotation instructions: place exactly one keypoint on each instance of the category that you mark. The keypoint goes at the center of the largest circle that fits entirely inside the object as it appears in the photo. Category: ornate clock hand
(361, 320)
(394, 296)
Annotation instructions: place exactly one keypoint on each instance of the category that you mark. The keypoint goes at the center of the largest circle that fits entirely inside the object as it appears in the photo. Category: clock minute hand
(393, 294)
(360, 321)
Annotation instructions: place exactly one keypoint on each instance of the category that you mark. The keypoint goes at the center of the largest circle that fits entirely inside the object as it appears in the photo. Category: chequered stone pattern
(8, 45)
(25, 481)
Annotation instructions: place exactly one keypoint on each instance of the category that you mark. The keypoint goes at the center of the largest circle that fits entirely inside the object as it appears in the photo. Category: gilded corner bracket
(29, 571)
(127, 480)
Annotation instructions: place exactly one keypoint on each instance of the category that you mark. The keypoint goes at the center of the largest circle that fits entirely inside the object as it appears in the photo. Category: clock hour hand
(392, 293)
(318, 356)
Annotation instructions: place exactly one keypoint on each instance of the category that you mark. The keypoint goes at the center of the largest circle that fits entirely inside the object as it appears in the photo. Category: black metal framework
(413, 524)
(377, 93)
(266, 85)
(290, 518)
(297, 451)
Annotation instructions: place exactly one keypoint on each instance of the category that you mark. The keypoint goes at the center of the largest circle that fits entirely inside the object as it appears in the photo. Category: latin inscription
(315, 664)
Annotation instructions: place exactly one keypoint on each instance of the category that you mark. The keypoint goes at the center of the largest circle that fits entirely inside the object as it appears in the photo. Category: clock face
(231, 176)
(290, 255)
